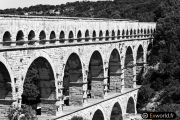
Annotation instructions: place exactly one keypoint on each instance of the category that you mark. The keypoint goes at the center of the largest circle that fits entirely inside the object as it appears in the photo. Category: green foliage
(31, 90)
(169, 108)
(23, 113)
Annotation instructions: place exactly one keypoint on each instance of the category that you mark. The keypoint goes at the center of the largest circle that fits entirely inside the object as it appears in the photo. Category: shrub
(23, 113)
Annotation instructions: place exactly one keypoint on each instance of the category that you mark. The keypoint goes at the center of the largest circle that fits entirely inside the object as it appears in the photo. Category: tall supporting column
(85, 87)
(60, 102)
(134, 74)
(105, 79)
(19, 91)
(122, 77)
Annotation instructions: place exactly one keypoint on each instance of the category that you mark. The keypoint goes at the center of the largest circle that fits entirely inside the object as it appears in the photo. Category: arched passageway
(100, 35)
(96, 76)
(20, 37)
(114, 72)
(61, 36)
(98, 115)
(139, 65)
(128, 71)
(73, 81)
(31, 36)
(6, 38)
(5, 83)
(87, 35)
(130, 106)
(39, 84)
(42, 37)
(52, 37)
(79, 36)
(71, 36)
(116, 113)
(94, 35)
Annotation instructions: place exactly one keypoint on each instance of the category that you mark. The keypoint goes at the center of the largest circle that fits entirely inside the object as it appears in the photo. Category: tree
(31, 91)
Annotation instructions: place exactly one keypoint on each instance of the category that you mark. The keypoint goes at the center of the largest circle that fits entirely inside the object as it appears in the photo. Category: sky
(26, 3)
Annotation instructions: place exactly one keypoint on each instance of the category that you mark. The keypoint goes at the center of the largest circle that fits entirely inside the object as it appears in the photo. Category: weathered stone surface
(18, 58)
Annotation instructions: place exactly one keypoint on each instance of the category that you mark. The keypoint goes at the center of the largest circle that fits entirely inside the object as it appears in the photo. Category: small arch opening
(94, 35)
(134, 33)
(42, 37)
(52, 37)
(107, 35)
(131, 33)
(6, 38)
(20, 37)
(62, 36)
(100, 35)
(71, 36)
(145, 33)
(113, 35)
(87, 35)
(118, 34)
(123, 34)
(31, 36)
(127, 34)
(79, 35)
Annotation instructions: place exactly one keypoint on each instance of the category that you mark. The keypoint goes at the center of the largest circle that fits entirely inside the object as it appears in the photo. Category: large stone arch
(73, 78)
(139, 64)
(31, 60)
(131, 106)
(6, 64)
(65, 58)
(96, 74)
(100, 109)
(91, 53)
(114, 71)
(128, 68)
(116, 111)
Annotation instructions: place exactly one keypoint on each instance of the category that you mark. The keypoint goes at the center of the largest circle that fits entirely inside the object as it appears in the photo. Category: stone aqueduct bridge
(91, 64)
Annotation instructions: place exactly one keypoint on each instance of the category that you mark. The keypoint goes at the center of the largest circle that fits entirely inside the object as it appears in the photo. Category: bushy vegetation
(23, 113)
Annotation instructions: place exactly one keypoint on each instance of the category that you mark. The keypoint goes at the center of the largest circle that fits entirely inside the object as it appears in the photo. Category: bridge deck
(67, 110)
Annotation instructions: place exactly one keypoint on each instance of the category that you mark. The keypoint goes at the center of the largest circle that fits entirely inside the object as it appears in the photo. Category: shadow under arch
(130, 106)
(128, 71)
(114, 72)
(116, 112)
(5, 83)
(40, 82)
(98, 115)
(139, 64)
(6, 38)
(96, 76)
(73, 81)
